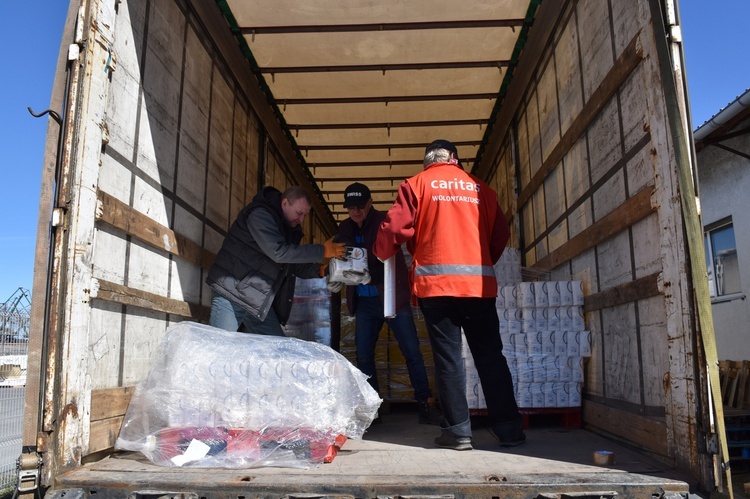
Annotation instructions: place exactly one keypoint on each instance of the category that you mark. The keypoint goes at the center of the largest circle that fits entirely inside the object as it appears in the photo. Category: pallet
(566, 417)
(735, 384)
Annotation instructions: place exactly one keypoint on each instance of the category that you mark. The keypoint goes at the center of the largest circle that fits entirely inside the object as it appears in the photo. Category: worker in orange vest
(455, 231)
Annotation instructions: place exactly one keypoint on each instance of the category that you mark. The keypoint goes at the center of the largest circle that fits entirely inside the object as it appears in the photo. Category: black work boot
(509, 433)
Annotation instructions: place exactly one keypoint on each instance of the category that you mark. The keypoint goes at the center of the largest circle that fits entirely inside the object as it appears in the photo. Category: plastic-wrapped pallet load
(215, 398)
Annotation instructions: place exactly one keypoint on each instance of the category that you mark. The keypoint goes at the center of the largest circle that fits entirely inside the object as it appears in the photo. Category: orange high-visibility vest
(455, 216)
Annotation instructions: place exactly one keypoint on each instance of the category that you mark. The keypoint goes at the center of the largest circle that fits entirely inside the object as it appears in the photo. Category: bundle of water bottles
(215, 398)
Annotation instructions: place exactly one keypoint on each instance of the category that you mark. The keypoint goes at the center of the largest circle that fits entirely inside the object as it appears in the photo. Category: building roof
(722, 122)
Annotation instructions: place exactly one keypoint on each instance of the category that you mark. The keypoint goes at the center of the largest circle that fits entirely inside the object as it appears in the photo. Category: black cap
(443, 144)
(356, 194)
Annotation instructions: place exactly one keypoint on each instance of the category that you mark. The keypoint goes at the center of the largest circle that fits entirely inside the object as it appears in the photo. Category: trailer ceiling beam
(353, 28)
(343, 147)
(383, 67)
(385, 99)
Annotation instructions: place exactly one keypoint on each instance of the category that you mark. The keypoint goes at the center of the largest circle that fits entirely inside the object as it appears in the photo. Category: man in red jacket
(455, 231)
(365, 303)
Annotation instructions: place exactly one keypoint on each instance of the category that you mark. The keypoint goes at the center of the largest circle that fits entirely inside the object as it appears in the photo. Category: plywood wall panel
(645, 253)
(527, 221)
(254, 146)
(549, 118)
(615, 261)
(558, 236)
(110, 255)
(554, 193)
(238, 169)
(605, 147)
(157, 134)
(161, 80)
(593, 24)
(220, 150)
(148, 269)
(151, 201)
(641, 169)
(625, 16)
(540, 215)
(524, 162)
(594, 373)
(610, 195)
(115, 179)
(534, 134)
(188, 224)
(104, 344)
(653, 328)
(620, 347)
(568, 72)
(633, 109)
(579, 219)
(194, 122)
(504, 181)
(577, 184)
(185, 284)
(584, 268)
(122, 106)
(144, 332)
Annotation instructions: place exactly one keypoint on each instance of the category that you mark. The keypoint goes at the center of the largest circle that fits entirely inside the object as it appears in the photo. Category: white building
(723, 157)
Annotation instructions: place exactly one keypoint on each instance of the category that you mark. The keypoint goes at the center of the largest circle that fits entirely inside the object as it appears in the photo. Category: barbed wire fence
(14, 342)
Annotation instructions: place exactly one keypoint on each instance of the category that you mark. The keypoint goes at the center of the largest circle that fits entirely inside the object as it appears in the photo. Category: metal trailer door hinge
(29, 464)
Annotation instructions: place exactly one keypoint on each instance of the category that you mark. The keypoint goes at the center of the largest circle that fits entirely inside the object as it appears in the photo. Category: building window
(721, 259)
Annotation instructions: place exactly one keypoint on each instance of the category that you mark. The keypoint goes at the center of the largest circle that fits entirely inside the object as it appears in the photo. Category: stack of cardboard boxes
(544, 339)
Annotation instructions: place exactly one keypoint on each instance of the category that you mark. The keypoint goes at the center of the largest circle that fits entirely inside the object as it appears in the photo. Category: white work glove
(356, 277)
(333, 286)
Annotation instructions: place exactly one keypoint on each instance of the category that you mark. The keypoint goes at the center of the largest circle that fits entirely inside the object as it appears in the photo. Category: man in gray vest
(253, 277)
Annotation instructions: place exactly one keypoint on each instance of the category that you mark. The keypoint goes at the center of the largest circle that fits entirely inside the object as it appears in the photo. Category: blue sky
(716, 48)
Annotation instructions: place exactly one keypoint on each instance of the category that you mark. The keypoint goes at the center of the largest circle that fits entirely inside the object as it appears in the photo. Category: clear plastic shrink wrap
(351, 270)
(215, 398)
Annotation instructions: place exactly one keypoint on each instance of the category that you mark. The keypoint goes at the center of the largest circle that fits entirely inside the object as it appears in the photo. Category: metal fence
(14, 327)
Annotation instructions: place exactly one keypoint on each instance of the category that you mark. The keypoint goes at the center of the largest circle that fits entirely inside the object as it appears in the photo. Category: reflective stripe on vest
(434, 270)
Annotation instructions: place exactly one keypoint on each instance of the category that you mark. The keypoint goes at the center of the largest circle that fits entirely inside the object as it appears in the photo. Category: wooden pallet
(735, 384)
(566, 417)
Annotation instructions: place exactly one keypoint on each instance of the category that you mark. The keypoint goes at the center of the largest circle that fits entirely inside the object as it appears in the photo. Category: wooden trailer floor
(397, 458)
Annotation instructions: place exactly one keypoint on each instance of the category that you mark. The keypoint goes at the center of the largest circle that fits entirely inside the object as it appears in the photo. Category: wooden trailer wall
(586, 168)
(176, 140)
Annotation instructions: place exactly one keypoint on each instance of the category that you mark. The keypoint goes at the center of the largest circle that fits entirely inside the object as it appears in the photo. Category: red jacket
(453, 227)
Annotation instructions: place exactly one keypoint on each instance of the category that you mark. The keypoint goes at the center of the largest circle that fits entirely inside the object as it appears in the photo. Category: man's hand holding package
(334, 249)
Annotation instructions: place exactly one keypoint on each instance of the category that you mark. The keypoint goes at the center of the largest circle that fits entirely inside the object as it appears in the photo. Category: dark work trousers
(370, 320)
(444, 318)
